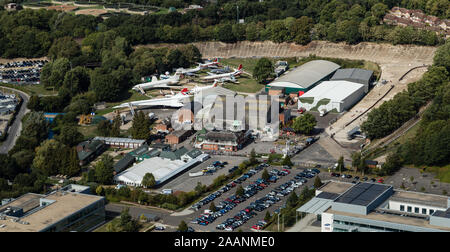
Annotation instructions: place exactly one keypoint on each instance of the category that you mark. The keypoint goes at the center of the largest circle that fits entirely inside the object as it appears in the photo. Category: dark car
(348, 176)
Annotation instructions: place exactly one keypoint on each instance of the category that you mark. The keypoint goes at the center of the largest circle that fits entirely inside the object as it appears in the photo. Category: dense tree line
(31, 33)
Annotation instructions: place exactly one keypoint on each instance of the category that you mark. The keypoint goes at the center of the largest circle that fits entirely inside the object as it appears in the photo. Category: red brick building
(178, 136)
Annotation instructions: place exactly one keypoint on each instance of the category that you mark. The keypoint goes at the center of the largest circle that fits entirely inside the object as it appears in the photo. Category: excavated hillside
(394, 61)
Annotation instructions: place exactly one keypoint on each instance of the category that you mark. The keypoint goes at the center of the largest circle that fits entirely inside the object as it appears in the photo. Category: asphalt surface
(16, 127)
(260, 215)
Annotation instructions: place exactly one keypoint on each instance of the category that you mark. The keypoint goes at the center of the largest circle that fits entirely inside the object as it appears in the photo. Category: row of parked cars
(227, 187)
(356, 178)
(248, 213)
(26, 63)
(31, 75)
(231, 202)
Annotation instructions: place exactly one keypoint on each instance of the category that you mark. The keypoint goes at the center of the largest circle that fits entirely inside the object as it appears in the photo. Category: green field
(32, 89)
(246, 85)
(442, 172)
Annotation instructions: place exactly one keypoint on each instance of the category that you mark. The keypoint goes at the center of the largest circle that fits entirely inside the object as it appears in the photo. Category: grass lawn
(246, 84)
(88, 131)
(32, 89)
(442, 172)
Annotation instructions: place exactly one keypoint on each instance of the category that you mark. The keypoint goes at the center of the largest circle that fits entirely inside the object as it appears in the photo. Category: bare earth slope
(394, 61)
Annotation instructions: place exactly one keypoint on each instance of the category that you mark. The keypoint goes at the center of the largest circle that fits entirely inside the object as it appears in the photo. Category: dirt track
(394, 61)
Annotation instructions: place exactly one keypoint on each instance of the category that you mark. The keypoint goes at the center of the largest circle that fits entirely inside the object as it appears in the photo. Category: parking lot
(28, 71)
(245, 212)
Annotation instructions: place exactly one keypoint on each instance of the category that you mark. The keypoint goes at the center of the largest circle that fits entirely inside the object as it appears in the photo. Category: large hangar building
(305, 77)
(332, 95)
(361, 76)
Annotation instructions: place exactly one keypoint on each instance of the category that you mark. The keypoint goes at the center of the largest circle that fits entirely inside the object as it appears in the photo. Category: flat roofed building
(369, 207)
(357, 75)
(162, 169)
(305, 77)
(332, 95)
(119, 142)
(59, 211)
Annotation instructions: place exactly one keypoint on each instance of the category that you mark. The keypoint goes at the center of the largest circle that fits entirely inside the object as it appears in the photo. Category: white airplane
(213, 63)
(189, 71)
(175, 101)
(155, 83)
(197, 89)
(225, 76)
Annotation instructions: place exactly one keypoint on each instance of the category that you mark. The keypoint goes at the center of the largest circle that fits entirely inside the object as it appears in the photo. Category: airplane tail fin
(240, 67)
(184, 91)
(216, 60)
(215, 83)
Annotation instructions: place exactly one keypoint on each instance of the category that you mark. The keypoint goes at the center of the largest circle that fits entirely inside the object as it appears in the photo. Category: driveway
(16, 127)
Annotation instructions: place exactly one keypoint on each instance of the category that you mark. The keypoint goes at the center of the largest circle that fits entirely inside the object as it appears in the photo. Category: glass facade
(82, 220)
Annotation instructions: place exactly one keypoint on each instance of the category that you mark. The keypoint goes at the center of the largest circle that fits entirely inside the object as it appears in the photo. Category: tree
(34, 103)
(127, 223)
(104, 170)
(212, 207)
(239, 191)
(100, 191)
(76, 80)
(182, 227)
(141, 126)
(35, 126)
(104, 128)
(287, 161)
(253, 159)
(317, 182)
(115, 127)
(49, 158)
(265, 175)
(267, 217)
(263, 70)
(149, 180)
(292, 200)
(340, 166)
(301, 30)
(304, 124)
(70, 136)
(64, 47)
(356, 158)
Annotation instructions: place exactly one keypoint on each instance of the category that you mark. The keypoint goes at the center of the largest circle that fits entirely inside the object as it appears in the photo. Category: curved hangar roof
(306, 75)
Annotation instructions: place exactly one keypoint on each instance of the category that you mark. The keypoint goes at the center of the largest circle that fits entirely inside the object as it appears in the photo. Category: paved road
(16, 127)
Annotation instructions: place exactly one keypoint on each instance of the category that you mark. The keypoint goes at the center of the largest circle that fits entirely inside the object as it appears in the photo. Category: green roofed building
(89, 150)
(303, 78)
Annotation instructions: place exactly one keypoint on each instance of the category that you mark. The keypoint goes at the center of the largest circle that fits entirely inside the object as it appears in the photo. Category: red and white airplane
(197, 89)
(175, 101)
(225, 76)
(213, 63)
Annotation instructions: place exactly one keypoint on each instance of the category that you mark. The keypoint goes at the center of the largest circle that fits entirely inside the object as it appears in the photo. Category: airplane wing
(175, 102)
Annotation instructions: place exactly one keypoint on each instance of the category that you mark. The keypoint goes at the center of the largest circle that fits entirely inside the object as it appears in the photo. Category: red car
(288, 172)
(233, 184)
(256, 227)
(380, 180)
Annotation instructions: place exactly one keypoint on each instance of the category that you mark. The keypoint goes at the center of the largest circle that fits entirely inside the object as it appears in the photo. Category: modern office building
(373, 207)
(66, 210)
